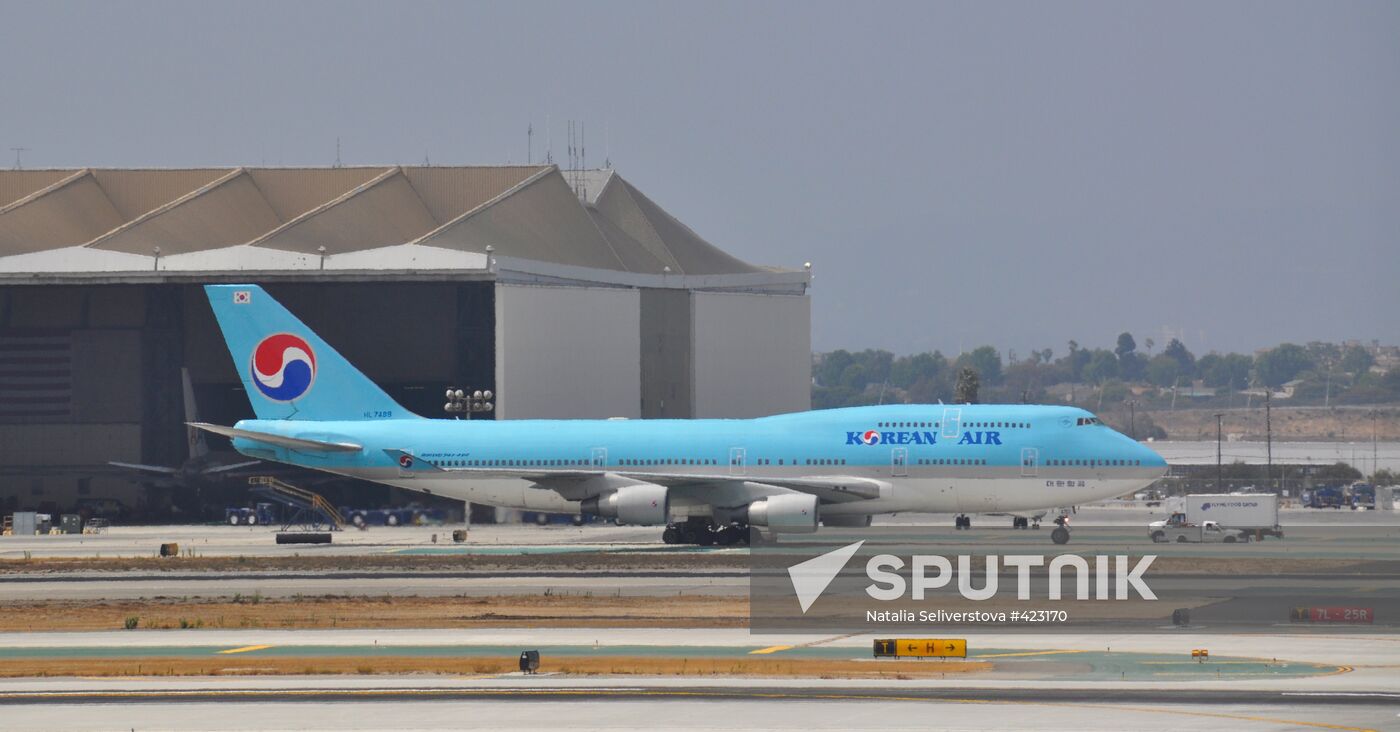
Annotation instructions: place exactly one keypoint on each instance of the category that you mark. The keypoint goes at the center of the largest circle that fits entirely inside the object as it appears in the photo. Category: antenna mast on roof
(530, 144)
(548, 141)
(18, 150)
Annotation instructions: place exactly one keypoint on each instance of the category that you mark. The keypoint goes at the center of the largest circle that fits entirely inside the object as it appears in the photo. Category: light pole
(1375, 452)
(1219, 425)
(1269, 440)
(461, 402)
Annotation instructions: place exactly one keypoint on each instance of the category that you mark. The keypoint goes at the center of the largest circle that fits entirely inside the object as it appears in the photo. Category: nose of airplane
(1149, 457)
(1141, 454)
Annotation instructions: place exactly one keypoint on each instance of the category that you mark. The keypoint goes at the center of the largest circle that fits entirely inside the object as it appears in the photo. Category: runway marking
(244, 649)
(1237, 663)
(1027, 653)
(769, 649)
(576, 692)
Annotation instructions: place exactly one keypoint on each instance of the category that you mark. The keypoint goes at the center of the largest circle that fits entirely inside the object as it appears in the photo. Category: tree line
(1316, 372)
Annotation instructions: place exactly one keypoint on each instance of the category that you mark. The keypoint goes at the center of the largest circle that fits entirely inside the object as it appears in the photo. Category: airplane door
(1030, 462)
(736, 460)
(899, 462)
(600, 457)
(952, 422)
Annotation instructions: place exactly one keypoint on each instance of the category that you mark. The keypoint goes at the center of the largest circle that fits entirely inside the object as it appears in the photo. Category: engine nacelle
(642, 505)
(785, 514)
(858, 520)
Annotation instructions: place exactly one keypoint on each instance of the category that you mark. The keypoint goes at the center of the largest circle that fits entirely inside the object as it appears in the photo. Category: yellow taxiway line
(243, 649)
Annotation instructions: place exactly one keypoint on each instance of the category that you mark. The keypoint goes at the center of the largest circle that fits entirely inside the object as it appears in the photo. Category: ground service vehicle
(1188, 533)
(1240, 516)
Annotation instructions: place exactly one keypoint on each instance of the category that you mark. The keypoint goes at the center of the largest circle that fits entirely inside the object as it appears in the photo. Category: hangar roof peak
(64, 219)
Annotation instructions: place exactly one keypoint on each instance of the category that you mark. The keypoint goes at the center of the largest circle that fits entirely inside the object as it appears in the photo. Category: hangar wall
(567, 352)
(667, 355)
(752, 354)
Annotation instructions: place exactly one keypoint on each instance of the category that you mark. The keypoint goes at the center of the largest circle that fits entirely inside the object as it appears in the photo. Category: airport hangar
(568, 293)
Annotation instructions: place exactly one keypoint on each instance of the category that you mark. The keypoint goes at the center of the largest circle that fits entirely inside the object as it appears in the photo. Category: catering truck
(1223, 517)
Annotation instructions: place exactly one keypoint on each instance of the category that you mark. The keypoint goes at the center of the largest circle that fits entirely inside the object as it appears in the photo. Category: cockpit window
(1088, 420)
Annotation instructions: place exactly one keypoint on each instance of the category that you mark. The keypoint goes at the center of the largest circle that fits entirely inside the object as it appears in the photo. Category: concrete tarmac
(1130, 518)
(1049, 681)
(691, 708)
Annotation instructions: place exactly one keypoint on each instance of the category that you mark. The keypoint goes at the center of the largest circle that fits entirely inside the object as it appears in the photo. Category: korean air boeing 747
(706, 480)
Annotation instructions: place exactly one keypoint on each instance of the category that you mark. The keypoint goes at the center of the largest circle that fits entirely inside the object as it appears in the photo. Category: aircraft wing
(158, 469)
(293, 443)
(722, 489)
(827, 488)
(576, 483)
(233, 466)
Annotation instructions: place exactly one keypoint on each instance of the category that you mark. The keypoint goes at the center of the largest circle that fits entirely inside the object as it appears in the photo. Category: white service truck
(1223, 517)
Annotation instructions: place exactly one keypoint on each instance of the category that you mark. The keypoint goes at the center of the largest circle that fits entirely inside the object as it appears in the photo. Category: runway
(539, 703)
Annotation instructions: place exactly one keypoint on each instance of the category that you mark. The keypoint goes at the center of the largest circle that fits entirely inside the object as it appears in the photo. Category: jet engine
(643, 505)
(785, 514)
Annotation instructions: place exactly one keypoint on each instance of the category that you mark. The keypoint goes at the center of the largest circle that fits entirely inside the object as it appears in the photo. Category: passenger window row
(667, 461)
(1092, 463)
(952, 461)
(937, 425)
(506, 463)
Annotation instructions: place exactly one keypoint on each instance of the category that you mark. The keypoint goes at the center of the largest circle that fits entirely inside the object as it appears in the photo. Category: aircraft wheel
(392, 520)
(577, 520)
(233, 520)
(671, 535)
(705, 537)
(252, 519)
(1060, 535)
(1229, 540)
(1158, 537)
(1181, 539)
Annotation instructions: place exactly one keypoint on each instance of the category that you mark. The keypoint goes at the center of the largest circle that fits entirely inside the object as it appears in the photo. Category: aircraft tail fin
(287, 370)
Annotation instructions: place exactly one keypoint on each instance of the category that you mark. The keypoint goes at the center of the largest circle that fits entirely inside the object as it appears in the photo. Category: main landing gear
(1061, 533)
(1025, 522)
(704, 532)
(962, 522)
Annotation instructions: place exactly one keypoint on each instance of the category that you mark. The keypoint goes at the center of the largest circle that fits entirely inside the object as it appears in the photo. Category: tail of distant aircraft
(287, 370)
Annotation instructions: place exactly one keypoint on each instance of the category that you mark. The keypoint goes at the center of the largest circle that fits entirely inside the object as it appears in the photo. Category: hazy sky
(958, 173)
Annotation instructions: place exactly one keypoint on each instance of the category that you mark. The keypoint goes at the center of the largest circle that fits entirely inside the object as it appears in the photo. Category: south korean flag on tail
(242, 297)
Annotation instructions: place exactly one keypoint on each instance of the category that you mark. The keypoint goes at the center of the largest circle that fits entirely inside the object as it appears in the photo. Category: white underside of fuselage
(906, 494)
